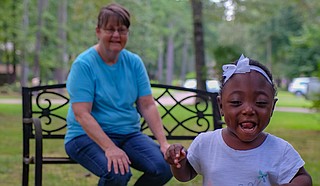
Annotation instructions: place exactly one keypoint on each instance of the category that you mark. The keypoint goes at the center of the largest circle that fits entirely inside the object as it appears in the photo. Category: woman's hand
(118, 158)
(164, 147)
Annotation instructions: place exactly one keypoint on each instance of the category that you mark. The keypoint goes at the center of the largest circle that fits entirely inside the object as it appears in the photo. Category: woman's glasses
(111, 31)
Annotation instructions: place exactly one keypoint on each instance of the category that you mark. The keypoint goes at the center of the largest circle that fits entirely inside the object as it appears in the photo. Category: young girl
(241, 154)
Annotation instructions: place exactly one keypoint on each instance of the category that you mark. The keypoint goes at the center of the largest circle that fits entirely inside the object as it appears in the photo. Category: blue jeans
(143, 152)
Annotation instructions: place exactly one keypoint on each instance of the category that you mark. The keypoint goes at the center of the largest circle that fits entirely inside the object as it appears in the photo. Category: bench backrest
(185, 112)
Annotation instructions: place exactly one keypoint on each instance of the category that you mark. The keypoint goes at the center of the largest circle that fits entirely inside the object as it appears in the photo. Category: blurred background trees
(39, 39)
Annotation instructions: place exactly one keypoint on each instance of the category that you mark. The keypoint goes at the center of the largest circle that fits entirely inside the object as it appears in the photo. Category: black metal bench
(184, 112)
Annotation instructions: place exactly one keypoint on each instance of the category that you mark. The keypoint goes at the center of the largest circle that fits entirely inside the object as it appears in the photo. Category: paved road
(295, 109)
(10, 101)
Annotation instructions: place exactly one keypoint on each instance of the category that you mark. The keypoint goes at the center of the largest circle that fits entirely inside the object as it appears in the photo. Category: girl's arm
(185, 172)
(302, 178)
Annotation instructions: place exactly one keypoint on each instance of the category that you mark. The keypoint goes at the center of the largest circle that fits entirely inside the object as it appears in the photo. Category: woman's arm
(116, 157)
(149, 111)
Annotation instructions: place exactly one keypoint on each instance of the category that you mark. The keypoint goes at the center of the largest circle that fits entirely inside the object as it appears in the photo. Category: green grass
(295, 121)
(300, 129)
(287, 99)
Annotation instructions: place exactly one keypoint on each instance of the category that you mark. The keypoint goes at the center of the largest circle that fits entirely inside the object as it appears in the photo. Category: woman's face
(113, 37)
(247, 103)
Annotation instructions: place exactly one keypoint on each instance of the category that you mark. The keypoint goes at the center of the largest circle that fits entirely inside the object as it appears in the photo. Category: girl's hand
(175, 154)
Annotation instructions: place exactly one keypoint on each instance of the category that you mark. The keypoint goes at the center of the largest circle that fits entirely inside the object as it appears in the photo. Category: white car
(299, 86)
(313, 89)
(212, 85)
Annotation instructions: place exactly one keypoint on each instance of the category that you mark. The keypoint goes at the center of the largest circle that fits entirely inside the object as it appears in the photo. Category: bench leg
(38, 174)
(25, 174)
(38, 152)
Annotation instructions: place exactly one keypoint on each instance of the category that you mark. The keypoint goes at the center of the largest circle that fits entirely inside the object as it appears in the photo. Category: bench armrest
(38, 136)
(38, 146)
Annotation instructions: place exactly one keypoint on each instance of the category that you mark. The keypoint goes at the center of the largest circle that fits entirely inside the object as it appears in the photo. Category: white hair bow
(241, 67)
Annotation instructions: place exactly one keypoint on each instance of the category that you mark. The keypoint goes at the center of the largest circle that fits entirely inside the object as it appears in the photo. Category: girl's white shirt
(274, 162)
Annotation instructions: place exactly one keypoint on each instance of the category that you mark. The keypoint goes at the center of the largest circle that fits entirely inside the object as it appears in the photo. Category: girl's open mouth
(248, 127)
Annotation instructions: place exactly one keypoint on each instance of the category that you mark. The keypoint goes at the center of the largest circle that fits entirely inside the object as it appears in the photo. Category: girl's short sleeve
(290, 164)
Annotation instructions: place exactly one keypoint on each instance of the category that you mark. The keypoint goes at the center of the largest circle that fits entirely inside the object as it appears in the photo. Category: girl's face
(113, 37)
(247, 102)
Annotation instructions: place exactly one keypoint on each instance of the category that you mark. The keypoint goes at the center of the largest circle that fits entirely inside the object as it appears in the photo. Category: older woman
(106, 83)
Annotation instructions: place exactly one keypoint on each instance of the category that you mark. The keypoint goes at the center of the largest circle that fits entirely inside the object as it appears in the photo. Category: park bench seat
(185, 113)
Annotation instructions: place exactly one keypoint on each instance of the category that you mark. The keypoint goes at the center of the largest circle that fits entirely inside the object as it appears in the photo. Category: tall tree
(13, 75)
(231, 27)
(199, 44)
(160, 61)
(170, 55)
(151, 30)
(36, 67)
(184, 61)
(24, 62)
(61, 70)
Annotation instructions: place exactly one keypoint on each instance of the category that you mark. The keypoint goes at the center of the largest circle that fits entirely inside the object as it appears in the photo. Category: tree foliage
(305, 52)
(281, 34)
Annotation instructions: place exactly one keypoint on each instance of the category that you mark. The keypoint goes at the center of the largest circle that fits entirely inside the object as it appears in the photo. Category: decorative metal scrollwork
(196, 117)
(48, 103)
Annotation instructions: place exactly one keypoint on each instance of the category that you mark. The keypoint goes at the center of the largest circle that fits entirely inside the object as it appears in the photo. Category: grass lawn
(287, 99)
(300, 129)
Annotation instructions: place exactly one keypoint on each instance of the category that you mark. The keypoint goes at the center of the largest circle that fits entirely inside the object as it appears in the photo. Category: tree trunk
(24, 63)
(36, 67)
(61, 70)
(269, 53)
(13, 76)
(170, 57)
(6, 50)
(199, 44)
(160, 61)
(184, 61)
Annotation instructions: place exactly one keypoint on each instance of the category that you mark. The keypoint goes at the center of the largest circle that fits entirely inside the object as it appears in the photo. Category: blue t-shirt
(112, 90)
